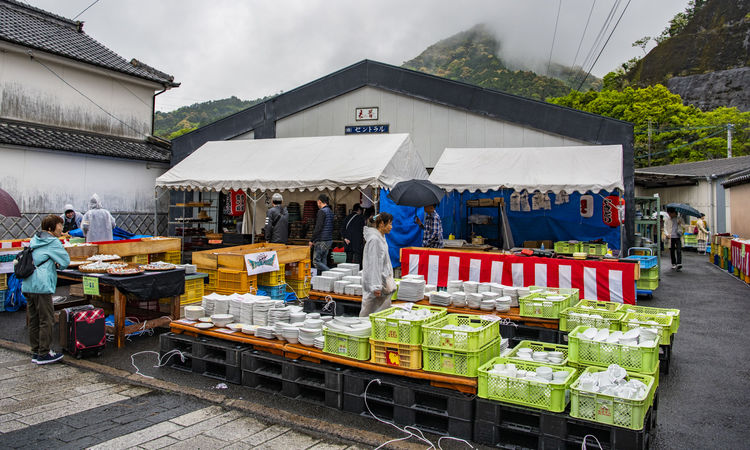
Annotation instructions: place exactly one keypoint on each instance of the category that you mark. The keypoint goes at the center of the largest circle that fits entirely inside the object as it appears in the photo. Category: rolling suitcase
(82, 330)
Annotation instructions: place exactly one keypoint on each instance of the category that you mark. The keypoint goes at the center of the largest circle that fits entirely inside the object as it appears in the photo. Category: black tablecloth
(147, 286)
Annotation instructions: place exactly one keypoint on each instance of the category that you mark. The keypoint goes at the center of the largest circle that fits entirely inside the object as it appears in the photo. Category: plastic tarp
(298, 164)
(405, 233)
(572, 169)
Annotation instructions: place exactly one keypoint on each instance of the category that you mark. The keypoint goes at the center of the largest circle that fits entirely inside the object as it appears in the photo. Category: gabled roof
(737, 179)
(583, 126)
(35, 28)
(718, 167)
(63, 139)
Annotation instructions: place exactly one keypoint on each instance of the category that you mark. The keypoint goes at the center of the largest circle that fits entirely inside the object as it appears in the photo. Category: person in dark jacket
(277, 221)
(353, 235)
(322, 237)
(48, 254)
(71, 219)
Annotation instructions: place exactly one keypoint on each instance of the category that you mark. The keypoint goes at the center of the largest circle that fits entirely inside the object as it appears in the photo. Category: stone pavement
(64, 407)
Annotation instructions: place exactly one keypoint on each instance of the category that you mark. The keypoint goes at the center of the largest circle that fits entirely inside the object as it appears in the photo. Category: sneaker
(49, 358)
(674, 266)
(679, 267)
(34, 358)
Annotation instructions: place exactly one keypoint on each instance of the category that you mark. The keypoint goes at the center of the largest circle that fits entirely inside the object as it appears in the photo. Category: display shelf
(497, 222)
(649, 228)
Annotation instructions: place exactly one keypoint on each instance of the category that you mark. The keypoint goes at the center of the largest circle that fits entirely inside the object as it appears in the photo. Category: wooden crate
(81, 252)
(141, 247)
(234, 257)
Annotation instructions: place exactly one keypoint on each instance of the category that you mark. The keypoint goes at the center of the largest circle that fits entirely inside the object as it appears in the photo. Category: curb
(295, 421)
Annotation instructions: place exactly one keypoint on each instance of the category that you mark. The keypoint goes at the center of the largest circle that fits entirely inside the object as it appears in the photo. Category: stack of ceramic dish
(235, 304)
(351, 326)
(483, 287)
(512, 292)
(496, 288)
(502, 303)
(311, 329)
(351, 267)
(490, 296)
(612, 381)
(455, 286)
(458, 299)
(353, 289)
(430, 287)
(194, 312)
(487, 304)
(260, 311)
(278, 315)
(471, 287)
(297, 316)
(319, 342)
(411, 290)
(246, 309)
(265, 332)
(221, 305)
(209, 302)
(542, 374)
(635, 337)
(336, 275)
(354, 279)
(473, 300)
(339, 285)
(249, 329)
(290, 333)
(413, 276)
(523, 291)
(440, 299)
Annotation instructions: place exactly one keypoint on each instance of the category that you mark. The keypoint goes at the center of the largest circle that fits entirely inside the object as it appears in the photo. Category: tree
(642, 43)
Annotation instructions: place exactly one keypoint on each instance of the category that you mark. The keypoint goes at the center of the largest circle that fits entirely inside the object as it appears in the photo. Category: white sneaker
(674, 266)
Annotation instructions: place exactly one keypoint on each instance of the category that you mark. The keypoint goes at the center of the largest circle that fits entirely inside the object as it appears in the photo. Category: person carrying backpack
(47, 255)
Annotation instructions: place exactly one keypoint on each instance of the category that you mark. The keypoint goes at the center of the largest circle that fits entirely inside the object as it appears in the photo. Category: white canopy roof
(570, 169)
(306, 163)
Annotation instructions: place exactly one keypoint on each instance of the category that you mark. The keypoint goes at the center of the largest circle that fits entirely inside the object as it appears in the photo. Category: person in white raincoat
(377, 271)
(97, 223)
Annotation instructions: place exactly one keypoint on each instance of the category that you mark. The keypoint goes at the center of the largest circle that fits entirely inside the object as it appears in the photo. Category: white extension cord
(161, 360)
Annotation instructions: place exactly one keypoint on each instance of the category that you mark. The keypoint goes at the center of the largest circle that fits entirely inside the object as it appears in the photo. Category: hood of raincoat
(95, 203)
(372, 233)
(47, 251)
(68, 207)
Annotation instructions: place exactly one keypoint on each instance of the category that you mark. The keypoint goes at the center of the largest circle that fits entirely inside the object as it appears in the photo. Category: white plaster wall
(30, 92)
(45, 181)
(433, 127)
(700, 197)
(245, 136)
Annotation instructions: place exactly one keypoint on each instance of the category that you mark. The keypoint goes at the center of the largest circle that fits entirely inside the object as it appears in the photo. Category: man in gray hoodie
(71, 219)
(97, 223)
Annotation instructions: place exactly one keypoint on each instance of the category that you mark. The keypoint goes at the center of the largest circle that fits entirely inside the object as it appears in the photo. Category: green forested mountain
(474, 56)
(169, 125)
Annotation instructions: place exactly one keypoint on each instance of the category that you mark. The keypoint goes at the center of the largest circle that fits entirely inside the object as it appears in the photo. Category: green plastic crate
(567, 248)
(539, 347)
(594, 249)
(537, 305)
(344, 345)
(609, 319)
(401, 330)
(675, 313)
(647, 284)
(548, 396)
(457, 362)
(650, 274)
(610, 410)
(572, 292)
(588, 352)
(485, 330)
(664, 323)
(598, 305)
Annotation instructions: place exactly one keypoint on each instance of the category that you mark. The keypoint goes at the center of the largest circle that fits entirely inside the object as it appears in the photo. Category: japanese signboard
(90, 285)
(368, 113)
(364, 129)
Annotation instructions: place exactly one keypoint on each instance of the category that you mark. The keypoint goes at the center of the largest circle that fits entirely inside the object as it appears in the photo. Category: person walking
(433, 228)
(702, 228)
(47, 254)
(97, 223)
(673, 234)
(352, 234)
(277, 221)
(377, 272)
(322, 237)
(71, 219)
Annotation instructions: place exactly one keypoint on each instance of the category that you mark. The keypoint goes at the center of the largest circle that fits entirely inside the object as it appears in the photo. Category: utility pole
(729, 140)
(649, 143)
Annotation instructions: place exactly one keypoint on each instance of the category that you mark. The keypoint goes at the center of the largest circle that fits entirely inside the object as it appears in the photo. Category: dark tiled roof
(718, 167)
(37, 29)
(739, 178)
(65, 139)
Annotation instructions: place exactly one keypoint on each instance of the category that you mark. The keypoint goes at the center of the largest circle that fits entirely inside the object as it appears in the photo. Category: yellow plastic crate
(193, 291)
(236, 281)
(212, 278)
(299, 287)
(272, 278)
(3, 281)
(299, 270)
(395, 354)
(136, 259)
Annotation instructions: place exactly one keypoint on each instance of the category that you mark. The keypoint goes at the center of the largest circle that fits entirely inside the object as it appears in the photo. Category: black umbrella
(684, 209)
(8, 206)
(416, 193)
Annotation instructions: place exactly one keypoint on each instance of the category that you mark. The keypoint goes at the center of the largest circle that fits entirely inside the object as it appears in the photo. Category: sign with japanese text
(368, 113)
(90, 285)
(261, 262)
(364, 129)
(587, 206)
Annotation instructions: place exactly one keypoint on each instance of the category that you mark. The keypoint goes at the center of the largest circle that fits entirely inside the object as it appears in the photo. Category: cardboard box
(486, 202)
(530, 244)
(498, 201)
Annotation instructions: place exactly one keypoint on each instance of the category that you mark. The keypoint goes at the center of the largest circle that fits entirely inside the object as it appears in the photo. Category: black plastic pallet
(665, 355)
(184, 344)
(515, 427)
(218, 370)
(517, 333)
(314, 383)
(342, 307)
(219, 351)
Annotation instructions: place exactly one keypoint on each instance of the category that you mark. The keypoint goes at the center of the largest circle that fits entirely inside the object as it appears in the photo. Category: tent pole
(376, 202)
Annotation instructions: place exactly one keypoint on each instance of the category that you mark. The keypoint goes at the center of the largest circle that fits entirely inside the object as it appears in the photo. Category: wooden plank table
(312, 354)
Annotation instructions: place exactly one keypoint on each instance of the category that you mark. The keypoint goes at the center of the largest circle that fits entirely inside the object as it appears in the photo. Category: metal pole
(649, 143)
(156, 216)
(255, 209)
(729, 140)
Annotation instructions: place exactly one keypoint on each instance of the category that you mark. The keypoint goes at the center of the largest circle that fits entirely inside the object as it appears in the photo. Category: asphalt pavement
(702, 399)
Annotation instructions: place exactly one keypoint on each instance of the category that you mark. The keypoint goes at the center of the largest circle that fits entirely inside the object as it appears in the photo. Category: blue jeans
(320, 255)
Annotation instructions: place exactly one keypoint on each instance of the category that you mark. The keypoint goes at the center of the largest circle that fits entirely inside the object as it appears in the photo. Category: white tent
(570, 169)
(298, 164)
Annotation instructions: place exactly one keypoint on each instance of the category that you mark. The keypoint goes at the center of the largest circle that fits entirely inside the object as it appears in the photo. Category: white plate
(204, 325)
(205, 319)
(235, 326)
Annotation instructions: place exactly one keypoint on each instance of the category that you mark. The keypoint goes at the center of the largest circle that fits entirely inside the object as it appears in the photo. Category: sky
(251, 49)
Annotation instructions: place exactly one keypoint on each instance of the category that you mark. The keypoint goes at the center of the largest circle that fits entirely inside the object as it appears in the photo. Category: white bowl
(222, 320)
(204, 325)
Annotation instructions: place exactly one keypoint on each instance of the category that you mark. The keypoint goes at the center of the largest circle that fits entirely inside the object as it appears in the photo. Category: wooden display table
(312, 354)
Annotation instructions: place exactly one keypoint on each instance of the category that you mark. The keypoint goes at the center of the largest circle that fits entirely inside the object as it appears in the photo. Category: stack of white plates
(351, 267)
(265, 332)
(473, 300)
(413, 276)
(455, 286)
(193, 312)
(487, 305)
(307, 336)
(490, 295)
(260, 312)
(471, 287)
(209, 302)
(339, 285)
(502, 303)
(290, 333)
(497, 288)
(511, 292)
(458, 299)
(278, 330)
(246, 310)
(278, 315)
(523, 292)
(411, 290)
(430, 287)
(297, 316)
(249, 329)
(343, 271)
(351, 326)
(483, 287)
(325, 283)
(221, 305)
(354, 279)
(353, 289)
(319, 342)
(336, 275)
(440, 299)
(235, 304)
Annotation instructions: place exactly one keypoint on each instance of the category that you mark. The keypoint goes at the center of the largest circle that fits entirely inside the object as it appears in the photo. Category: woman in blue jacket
(48, 254)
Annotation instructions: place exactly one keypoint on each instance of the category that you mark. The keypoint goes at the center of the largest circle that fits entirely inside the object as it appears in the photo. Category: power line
(599, 36)
(554, 35)
(669, 150)
(605, 44)
(585, 28)
(86, 9)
